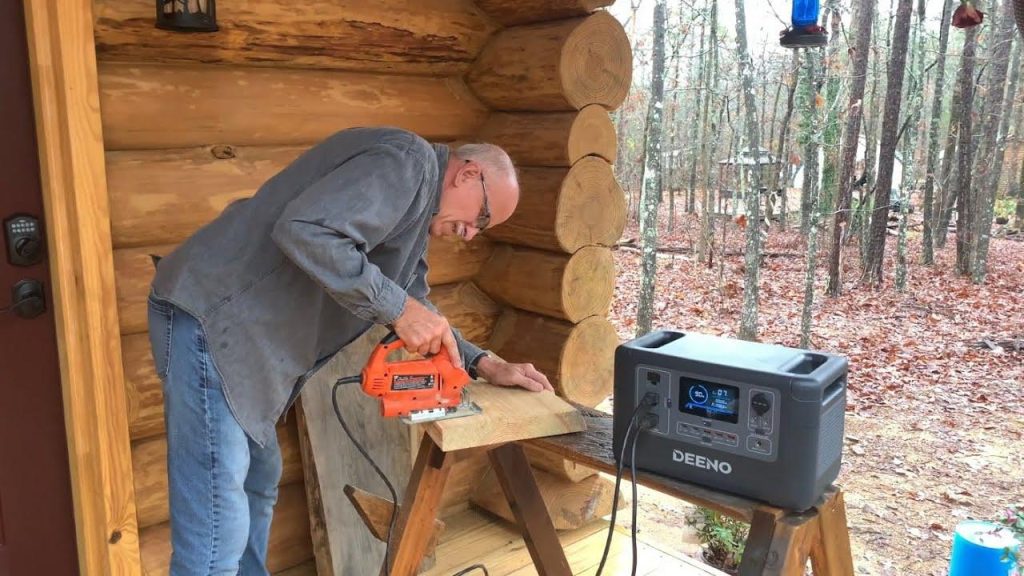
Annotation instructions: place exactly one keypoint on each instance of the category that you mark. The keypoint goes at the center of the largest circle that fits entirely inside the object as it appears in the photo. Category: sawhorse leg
(415, 523)
(520, 487)
(781, 545)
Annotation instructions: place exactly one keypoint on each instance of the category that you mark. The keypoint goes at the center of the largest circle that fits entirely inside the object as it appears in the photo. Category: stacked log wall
(550, 78)
(193, 122)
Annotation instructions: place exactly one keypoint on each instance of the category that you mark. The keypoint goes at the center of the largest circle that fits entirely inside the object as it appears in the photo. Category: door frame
(62, 59)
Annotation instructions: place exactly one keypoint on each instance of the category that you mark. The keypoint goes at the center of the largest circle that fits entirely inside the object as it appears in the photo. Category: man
(244, 311)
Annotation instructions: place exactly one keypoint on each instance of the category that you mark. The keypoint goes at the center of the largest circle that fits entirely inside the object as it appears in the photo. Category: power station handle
(657, 339)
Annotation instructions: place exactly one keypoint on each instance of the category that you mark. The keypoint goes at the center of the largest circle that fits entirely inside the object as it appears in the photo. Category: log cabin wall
(192, 122)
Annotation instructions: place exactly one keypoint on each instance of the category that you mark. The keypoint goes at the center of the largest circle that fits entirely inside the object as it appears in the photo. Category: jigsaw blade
(465, 408)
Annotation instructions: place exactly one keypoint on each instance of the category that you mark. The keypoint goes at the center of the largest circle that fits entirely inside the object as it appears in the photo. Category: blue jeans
(223, 486)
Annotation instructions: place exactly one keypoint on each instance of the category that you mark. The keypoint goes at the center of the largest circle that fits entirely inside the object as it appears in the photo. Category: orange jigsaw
(417, 390)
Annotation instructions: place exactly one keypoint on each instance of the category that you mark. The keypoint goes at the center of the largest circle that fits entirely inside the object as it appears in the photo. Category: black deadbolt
(24, 240)
(27, 299)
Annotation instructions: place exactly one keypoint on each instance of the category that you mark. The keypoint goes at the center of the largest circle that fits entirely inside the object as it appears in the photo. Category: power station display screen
(707, 400)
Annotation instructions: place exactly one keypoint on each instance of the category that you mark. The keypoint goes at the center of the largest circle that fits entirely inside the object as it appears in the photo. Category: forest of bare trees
(905, 126)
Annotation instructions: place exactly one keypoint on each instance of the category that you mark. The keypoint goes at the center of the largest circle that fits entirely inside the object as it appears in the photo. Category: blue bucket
(978, 549)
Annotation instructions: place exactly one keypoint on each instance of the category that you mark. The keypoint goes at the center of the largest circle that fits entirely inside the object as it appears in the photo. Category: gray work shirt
(330, 245)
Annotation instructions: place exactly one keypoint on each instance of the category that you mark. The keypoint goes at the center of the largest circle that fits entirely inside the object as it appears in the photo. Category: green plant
(722, 536)
(1013, 518)
(1005, 207)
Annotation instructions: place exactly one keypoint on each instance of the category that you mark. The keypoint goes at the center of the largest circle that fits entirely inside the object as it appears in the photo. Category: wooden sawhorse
(779, 542)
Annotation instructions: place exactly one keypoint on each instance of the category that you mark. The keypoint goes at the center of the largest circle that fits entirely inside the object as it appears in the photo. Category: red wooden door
(37, 527)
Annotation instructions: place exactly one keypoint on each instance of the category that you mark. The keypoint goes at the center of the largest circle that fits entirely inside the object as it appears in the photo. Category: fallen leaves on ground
(937, 420)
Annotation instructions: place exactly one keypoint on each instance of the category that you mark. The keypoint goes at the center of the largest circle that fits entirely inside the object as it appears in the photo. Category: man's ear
(469, 171)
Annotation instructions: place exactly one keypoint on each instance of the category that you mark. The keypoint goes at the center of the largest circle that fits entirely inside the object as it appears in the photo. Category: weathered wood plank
(509, 414)
(440, 37)
(353, 549)
(314, 496)
(150, 106)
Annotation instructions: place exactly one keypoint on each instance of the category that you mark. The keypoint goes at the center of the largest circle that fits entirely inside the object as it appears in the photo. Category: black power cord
(469, 569)
(394, 496)
(648, 401)
(391, 489)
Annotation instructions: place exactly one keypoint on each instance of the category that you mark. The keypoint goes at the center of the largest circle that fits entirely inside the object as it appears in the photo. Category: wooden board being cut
(509, 414)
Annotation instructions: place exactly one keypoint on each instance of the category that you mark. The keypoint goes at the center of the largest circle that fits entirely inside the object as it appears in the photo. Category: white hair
(491, 157)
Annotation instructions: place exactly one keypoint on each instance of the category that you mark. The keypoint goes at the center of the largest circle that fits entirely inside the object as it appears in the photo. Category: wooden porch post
(69, 132)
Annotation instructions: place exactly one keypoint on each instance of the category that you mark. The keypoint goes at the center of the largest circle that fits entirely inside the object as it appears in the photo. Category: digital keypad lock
(24, 240)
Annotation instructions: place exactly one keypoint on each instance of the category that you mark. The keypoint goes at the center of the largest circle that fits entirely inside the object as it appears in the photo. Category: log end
(591, 207)
(592, 134)
(596, 64)
(588, 362)
(588, 283)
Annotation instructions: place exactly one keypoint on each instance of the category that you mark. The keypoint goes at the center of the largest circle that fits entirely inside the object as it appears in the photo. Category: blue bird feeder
(978, 549)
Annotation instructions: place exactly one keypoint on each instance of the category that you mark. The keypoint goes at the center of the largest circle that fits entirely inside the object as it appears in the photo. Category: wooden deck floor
(473, 537)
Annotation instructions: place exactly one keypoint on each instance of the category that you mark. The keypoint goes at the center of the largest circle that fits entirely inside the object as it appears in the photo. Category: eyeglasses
(483, 220)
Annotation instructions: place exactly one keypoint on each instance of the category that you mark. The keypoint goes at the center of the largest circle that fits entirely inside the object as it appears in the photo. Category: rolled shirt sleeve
(328, 230)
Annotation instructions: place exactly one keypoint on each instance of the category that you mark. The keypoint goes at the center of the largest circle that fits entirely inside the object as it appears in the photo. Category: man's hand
(501, 373)
(424, 332)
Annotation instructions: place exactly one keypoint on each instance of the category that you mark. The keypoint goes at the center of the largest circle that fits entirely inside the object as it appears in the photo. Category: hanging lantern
(187, 15)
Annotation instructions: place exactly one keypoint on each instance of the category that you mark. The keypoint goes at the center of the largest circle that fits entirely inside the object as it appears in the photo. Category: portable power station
(758, 420)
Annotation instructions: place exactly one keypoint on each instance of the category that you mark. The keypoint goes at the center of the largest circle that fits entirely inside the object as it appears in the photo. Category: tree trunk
(748, 317)
(706, 246)
(864, 13)
(965, 150)
(927, 240)
(652, 176)
(1019, 215)
(871, 122)
(887, 151)
(915, 88)
(697, 134)
(826, 200)
(988, 175)
(1009, 99)
(784, 134)
(948, 191)
(812, 121)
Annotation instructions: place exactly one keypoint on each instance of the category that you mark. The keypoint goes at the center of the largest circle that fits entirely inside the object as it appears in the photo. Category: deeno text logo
(690, 459)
